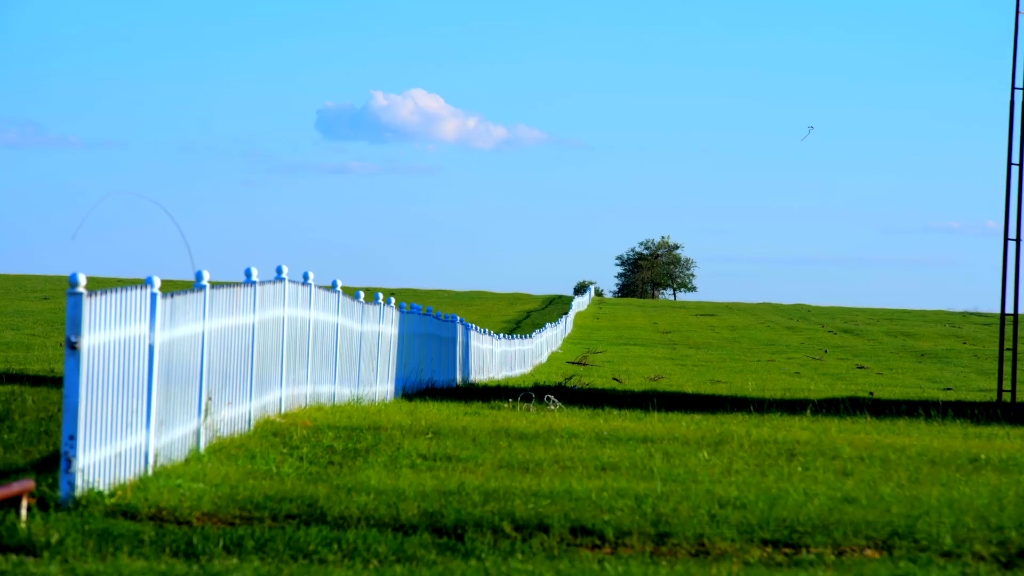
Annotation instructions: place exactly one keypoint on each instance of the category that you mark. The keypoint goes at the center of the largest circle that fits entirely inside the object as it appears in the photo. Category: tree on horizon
(653, 269)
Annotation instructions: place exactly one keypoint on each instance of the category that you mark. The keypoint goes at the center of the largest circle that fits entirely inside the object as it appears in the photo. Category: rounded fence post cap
(202, 278)
(336, 284)
(251, 274)
(430, 310)
(360, 295)
(282, 272)
(456, 319)
(402, 307)
(391, 301)
(378, 297)
(307, 277)
(76, 281)
(444, 316)
(153, 282)
(438, 314)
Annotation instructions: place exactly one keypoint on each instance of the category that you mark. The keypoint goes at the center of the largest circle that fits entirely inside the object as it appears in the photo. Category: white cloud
(417, 116)
(29, 135)
(965, 227)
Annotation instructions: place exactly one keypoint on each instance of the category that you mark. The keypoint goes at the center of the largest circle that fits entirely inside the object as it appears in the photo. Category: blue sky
(514, 147)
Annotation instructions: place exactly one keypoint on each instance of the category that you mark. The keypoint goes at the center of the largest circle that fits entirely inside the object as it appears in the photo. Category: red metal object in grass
(20, 488)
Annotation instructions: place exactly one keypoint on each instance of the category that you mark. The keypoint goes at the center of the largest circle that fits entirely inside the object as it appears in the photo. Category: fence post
(70, 433)
(307, 279)
(282, 275)
(454, 319)
(153, 366)
(412, 372)
(201, 412)
(458, 350)
(359, 355)
(336, 286)
(439, 359)
(378, 299)
(251, 277)
(392, 349)
(442, 347)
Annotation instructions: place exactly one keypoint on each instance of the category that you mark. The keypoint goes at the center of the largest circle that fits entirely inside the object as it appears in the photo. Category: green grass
(779, 351)
(693, 437)
(503, 312)
(436, 483)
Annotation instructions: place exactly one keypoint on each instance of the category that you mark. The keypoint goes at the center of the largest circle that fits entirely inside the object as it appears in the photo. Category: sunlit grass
(779, 351)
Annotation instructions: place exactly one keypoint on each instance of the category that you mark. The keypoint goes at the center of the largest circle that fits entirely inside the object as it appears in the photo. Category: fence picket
(153, 353)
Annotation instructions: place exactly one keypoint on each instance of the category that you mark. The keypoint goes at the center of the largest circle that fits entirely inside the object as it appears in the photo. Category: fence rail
(150, 377)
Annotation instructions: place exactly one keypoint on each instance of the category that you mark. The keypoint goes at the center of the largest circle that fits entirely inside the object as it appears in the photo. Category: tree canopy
(654, 269)
(581, 288)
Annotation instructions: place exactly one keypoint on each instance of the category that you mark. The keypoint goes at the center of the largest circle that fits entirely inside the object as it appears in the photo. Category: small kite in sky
(809, 128)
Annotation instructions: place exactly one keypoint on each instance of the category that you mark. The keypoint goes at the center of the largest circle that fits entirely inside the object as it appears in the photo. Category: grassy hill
(692, 437)
(780, 351)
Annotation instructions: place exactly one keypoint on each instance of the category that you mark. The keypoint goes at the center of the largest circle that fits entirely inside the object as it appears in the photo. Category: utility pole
(1013, 177)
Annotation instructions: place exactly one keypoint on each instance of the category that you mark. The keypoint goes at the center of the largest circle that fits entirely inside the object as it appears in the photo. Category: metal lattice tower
(1013, 208)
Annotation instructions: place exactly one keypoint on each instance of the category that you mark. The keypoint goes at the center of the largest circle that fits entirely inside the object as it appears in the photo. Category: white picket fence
(149, 377)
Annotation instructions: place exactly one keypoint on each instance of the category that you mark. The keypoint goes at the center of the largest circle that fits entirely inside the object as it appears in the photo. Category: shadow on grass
(31, 380)
(668, 401)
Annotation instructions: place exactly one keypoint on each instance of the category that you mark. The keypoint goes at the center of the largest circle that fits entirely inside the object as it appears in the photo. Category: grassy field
(780, 351)
(692, 438)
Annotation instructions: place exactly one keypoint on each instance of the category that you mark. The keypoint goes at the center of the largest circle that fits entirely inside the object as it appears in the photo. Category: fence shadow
(14, 378)
(670, 401)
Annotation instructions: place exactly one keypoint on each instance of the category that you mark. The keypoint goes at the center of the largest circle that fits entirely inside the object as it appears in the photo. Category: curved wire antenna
(181, 232)
(809, 128)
